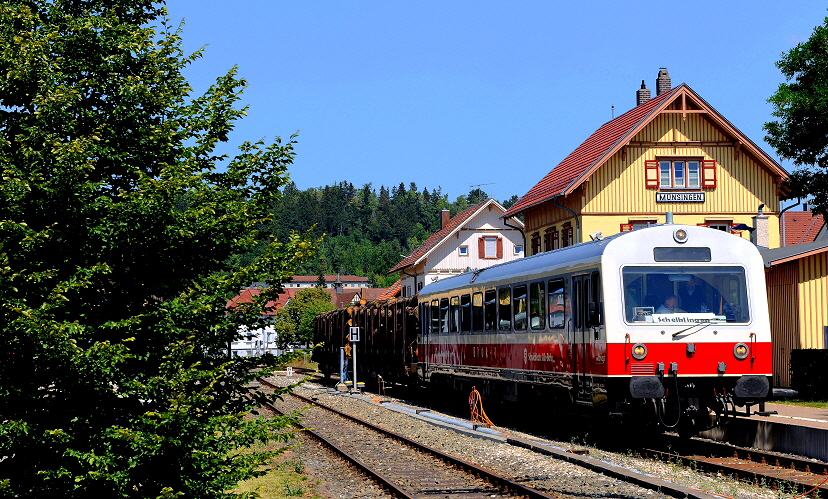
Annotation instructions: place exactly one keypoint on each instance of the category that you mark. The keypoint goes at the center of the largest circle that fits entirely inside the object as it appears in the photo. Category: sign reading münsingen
(680, 197)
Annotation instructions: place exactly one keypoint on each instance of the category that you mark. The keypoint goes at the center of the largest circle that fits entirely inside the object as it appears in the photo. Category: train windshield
(685, 295)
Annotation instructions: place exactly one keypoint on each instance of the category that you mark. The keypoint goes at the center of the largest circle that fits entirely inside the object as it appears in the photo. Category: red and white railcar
(669, 323)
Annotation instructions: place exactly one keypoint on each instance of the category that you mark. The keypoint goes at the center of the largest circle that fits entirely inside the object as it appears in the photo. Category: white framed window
(723, 226)
(463, 251)
(518, 249)
(679, 174)
(491, 247)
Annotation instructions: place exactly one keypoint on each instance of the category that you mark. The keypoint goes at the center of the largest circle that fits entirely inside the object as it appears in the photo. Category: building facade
(672, 153)
(473, 239)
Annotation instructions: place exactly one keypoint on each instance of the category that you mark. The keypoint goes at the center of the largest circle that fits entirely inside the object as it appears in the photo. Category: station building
(671, 153)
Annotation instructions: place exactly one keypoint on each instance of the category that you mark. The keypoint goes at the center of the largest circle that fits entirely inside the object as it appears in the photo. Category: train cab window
(490, 303)
(444, 312)
(520, 307)
(504, 309)
(454, 314)
(465, 313)
(477, 312)
(685, 294)
(435, 316)
(557, 303)
(537, 311)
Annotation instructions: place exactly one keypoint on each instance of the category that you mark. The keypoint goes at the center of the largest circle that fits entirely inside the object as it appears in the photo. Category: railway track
(748, 465)
(775, 471)
(404, 467)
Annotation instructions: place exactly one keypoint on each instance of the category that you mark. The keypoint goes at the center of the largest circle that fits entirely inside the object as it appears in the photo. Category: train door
(581, 293)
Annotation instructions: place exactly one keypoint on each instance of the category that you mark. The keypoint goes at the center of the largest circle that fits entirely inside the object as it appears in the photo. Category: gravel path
(542, 472)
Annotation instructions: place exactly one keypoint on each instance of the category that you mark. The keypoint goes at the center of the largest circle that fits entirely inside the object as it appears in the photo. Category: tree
(801, 106)
(118, 239)
(294, 321)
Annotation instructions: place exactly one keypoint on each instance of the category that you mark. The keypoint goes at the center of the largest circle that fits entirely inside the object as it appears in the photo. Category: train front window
(679, 294)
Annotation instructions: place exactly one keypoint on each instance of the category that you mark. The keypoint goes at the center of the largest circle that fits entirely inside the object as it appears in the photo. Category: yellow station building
(671, 153)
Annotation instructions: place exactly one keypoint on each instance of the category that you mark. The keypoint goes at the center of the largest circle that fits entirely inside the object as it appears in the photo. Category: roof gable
(454, 224)
(615, 134)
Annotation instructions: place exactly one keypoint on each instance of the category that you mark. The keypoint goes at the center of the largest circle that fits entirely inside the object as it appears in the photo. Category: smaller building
(797, 281)
(475, 238)
(310, 281)
(261, 340)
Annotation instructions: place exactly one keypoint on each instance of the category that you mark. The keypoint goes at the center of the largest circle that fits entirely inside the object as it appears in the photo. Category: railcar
(667, 324)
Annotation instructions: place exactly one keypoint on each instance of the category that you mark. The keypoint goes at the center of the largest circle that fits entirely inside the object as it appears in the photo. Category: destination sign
(679, 197)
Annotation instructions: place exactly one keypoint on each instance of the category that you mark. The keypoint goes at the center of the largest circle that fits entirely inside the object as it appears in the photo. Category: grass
(817, 404)
(286, 480)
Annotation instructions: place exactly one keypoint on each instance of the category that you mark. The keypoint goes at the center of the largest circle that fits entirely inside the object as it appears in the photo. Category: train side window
(519, 309)
(557, 304)
(504, 300)
(477, 312)
(596, 306)
(435, 316)
(444, 309)
(465, 313)
(490, 303)
(537, 311)
(454, 314)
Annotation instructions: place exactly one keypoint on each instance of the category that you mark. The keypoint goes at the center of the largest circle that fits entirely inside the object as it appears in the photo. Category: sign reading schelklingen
(679, 197)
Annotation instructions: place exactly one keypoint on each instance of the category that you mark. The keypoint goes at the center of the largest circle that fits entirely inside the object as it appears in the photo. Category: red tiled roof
(391, 292)
(438, 236)
(247, 295)
(801, 227)
(329, 278)
(586, 155)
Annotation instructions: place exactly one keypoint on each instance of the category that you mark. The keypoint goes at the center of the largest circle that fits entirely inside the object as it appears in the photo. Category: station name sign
(680, 197)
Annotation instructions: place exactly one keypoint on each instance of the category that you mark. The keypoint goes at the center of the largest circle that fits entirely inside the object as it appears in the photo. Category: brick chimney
(663, 84)
(445, 218)
(642, 95)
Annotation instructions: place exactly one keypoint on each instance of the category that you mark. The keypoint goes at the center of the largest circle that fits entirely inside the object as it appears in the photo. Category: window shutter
(708, 173)
(499, 248)
(702, 225)
(651, 174)
(626, 227)
(481, 248)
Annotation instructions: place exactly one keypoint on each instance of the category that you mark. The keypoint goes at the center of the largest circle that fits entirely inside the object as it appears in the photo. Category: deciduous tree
(800, 132)
(118, 224)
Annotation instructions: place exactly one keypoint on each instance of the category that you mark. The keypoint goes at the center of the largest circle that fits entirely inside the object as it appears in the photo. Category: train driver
(691, 297)
(670, 306)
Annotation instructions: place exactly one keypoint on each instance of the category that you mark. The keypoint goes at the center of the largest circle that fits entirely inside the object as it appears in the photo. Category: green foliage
(119, 243)
(366, 232)
(294, 321)
(801, 107)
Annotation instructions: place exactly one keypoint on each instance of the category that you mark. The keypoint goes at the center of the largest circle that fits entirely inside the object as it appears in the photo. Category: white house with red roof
(475, 238)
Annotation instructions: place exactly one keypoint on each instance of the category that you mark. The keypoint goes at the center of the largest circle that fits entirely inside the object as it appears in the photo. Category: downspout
(523, 234)
(782, 219)
(574, 215)
(414, 289)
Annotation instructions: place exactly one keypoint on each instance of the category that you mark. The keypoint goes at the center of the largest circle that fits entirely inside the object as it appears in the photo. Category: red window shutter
(702, 225)
(481, 248)
(651, 174)
(499, 247)
(708, 173)
(626, 227)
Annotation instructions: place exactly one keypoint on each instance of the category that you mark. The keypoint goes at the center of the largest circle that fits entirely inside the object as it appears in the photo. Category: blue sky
(452, 94)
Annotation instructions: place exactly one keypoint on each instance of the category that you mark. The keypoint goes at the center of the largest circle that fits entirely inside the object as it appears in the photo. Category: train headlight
(639, 351)
(680, 235)
(740, 351)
